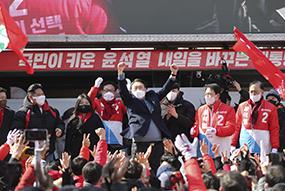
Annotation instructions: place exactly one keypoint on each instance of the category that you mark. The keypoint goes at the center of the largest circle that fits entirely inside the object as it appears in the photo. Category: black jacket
(185, 120)
(281, 119)
(45, 120)
(138, 113)
(75, 131)
(6, 124)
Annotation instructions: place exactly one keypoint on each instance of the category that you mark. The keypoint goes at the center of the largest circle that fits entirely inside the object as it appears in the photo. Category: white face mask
(171, 96)
(255, 98)
(108, 96)
(210, 100)
(139, 94)
(40, 99)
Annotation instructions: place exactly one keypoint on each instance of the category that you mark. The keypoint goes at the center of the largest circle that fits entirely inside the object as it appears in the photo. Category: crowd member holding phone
(83, 121)
(36, 113)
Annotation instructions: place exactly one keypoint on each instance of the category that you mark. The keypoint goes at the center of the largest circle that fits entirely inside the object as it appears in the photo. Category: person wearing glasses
(110, 110)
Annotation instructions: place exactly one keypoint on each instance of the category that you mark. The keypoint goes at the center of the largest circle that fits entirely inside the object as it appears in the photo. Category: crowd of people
(145, 140)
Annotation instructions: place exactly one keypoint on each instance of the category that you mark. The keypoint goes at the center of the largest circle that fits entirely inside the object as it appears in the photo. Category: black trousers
(154, 158)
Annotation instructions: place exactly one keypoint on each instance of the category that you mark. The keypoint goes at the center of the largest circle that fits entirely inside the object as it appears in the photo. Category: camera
(224, 80)
(35, 134)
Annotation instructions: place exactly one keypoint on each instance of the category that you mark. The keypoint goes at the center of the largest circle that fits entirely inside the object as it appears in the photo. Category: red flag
(261, 63)
(17, 39)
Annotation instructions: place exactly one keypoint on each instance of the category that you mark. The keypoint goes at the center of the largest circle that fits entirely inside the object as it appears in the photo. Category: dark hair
(257, 82)
(92, 172)
(67, 114)
(234, 181)
(165, 157)
(109, 83)
(53, 165)
(69, 188)
(77, 165)
(3, 90)
(275, 174)
(211, 181)
(31, 89)
(79, 98)
(141, 81)
(215, 87)
(134, 170)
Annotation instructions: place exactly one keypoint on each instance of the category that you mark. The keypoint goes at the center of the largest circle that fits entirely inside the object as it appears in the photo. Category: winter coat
(76, 129)
(138, 113)
(185, 120)
(281, 119)
(6, 124)
(266, 127)
(49, 119)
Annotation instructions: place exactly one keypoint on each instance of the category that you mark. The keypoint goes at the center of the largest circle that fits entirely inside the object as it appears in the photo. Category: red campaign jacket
(194, 176)
(27, 179)
(115, 123)
(222, 118)
(4, 150)
(210, 162)
(62, 16)
(100, 157)
(266, 127)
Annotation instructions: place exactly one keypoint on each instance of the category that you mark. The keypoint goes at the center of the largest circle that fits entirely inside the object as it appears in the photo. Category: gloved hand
(274, 150)
(210, 132)
(128, 84)
(11, 136)
(98, 82)
(233, 149)
(192, 131)
(187, 149)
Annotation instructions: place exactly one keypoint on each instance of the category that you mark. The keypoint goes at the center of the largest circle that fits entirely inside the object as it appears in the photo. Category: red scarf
(254, 112)
(87, 116)
(108, 110)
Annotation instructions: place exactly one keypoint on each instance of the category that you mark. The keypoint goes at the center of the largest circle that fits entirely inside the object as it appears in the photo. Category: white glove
(210, 132)
(11, 136)
(233, 149)
(128, 84)
(98, 81)
(192, 131)
(274, 151)
(187, 149)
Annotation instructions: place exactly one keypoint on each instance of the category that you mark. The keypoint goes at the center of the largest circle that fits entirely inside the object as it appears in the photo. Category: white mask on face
(210, 100)
(139, 94)
(255, 98)
(40, 99)
(171, 96)
(108, 96)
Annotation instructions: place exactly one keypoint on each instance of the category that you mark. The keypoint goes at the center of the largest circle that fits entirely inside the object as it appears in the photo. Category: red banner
(136, 60)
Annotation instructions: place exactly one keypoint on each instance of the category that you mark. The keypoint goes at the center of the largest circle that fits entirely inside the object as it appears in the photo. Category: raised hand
(174, 69)
(187, 149)
(98, 82)
(121, 67)
(215, 150)
(65, 160)
(203, 147)
(11, 136)
(101, 132)
(224, 156)
(86, 141)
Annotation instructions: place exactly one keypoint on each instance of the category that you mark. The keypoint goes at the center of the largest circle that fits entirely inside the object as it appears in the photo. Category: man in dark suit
(146, 127)
(6, 116)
